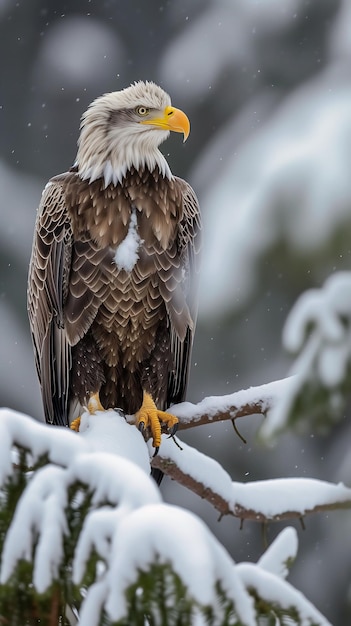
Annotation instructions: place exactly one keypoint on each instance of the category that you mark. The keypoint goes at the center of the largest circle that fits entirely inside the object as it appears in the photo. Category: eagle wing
(47, 289)
(182, 307)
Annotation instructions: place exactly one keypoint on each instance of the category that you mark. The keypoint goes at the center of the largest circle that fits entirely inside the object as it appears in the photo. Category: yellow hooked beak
(172, 119)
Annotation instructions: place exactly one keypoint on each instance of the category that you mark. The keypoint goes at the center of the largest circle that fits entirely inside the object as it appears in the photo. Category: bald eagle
(112, 278)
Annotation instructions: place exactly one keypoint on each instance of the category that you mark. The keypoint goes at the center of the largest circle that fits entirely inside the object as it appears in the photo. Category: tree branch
(227, 507)
(171, 469)
(254, 401)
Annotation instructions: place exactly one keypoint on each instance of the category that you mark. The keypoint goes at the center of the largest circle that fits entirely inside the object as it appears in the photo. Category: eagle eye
(142, 111)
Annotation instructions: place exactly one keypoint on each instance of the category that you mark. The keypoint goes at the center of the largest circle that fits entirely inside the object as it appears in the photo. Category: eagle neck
(115, 173)
(113, 163)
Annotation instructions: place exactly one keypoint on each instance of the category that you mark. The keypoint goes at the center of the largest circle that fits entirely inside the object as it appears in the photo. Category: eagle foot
(149, 416)
(94, 405)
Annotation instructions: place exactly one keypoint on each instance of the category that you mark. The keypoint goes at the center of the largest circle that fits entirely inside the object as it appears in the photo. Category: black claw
(176, 442)
(156, 451)
(141, 427)
(172, 431)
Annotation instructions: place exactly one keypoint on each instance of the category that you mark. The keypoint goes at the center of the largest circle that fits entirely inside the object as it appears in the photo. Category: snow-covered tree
(85, 537)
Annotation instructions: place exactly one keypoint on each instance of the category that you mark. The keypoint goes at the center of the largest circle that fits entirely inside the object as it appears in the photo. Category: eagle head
(124, 129)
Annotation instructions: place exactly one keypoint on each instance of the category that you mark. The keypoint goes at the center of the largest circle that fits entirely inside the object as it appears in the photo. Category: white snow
(130, 528)
(113, 479)
(265, 396)
(200, 466)
(93, 604)
(277, 496)
(269, 498)
(323, 308)
(175, 537)
(18, 428)
(108, 431)
(40, 512)
(277, 591)
(126, 254)
(317, 334)
(41, 509)
(280, 553)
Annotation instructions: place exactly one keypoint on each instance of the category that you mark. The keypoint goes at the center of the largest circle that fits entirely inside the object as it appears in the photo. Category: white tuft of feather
(126, 254)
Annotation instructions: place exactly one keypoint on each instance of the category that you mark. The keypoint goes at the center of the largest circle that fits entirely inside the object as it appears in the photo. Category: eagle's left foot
(94, 405)
(75, 424)
(150, 417)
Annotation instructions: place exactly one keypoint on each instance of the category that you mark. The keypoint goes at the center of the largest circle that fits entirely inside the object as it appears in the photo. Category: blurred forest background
(267, 87)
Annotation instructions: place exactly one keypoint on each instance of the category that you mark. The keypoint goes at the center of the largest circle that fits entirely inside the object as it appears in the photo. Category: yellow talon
(170, 419)
(94, 405)
(75, 424)
(149, 416)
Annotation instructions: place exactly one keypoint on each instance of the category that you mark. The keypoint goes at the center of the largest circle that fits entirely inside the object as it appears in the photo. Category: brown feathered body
(112, 280)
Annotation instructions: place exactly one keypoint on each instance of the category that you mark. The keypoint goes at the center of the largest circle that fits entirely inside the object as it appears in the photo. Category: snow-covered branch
(253, 401)
(260, 501)
(318, 334)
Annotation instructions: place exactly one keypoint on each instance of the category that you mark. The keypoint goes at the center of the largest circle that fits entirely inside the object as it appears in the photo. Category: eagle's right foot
(149, 416)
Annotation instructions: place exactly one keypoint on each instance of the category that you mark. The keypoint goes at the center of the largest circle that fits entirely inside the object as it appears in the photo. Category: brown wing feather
(182, 306)
(47, 289)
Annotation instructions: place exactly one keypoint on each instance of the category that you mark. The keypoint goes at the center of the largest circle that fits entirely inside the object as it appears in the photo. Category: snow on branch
(260, 501)
(254, 401)
(318, 333)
